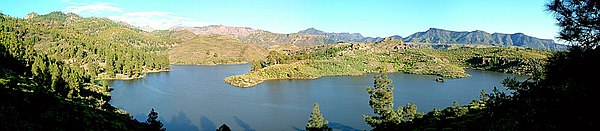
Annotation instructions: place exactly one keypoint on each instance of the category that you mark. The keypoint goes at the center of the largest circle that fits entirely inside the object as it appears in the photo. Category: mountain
(434, 35)
(30, 15)
(266, 38)
(213, 49)
(260, 37)
(146, 28)
(312, 36)
(50, 66)
(342, 37)
(100, 46)
(238, 32)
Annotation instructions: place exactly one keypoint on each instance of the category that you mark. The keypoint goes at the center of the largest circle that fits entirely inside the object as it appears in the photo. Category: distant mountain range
(441, 36)
(238, 32)
(261, 37)
(342, 37)
(312, 36)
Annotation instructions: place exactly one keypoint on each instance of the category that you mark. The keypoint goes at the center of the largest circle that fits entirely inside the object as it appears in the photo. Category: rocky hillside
(268, 39)
(342, 37)
(259, 37)
(434, 35)
(238, 32)
(213, 49)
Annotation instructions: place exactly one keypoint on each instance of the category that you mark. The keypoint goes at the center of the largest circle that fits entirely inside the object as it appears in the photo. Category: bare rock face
(238, 32)
(341, 37)
(256, 36)
(146, 28)
(31, 15)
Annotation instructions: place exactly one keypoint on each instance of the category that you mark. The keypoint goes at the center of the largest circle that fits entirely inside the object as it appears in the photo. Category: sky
(375, 18)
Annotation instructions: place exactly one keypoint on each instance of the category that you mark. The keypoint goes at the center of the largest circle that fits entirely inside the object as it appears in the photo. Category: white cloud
(156, 19)
(91, 8)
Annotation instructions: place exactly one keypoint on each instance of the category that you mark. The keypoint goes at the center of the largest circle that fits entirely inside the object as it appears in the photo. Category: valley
(262, 65)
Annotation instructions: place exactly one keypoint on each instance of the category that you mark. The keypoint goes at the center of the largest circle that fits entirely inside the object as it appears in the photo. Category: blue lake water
(197, 98)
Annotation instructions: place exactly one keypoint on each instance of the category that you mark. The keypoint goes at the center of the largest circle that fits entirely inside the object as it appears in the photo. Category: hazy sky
(368, 17)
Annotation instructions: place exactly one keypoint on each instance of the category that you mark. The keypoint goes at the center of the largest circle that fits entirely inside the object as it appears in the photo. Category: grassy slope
(336, 60)
(214, 49)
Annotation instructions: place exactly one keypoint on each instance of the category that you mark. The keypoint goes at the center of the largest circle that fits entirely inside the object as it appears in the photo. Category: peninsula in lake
(297, 65)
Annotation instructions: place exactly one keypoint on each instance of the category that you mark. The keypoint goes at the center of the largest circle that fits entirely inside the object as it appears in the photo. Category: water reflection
(243, 124)
(207, 124)
(181, 122)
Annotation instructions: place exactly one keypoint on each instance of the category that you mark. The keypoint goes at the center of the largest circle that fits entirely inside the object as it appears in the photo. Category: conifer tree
(316, 121)
(382, 102)
(224, 128)
(153, 123)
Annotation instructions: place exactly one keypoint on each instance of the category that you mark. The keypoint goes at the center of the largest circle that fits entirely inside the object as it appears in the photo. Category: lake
(197, 98)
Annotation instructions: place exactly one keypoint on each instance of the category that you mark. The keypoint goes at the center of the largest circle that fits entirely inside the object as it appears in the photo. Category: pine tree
(382, 103)
(110, 65)
(224, 128)
(316, 121)
(153, 123)
(256, 65)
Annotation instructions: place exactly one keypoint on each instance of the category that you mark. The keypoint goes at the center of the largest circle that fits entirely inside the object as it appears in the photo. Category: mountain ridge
(342, 37)
(312, 36)
(442, 36)
(256, 36)
(238, 32)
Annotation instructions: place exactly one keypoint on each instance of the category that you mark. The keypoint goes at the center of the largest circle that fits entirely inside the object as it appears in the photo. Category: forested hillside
(47, 73)
(98, 46)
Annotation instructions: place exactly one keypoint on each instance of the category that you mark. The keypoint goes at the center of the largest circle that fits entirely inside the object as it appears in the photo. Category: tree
(274, 58)
(256, 65)
(558, 97)
(110, 65)
(382, 103)
(484, 96)
(224, 128)
(579, 21)
(153, 123)
(316, 121)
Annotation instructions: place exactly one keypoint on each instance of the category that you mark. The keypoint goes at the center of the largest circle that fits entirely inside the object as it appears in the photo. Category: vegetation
(215, 49)
(48, 73)
(100, 47)
(358, 58)
(153, 123)
(51, 65)
(507, 60)
(224, 127)
(266, 39)
(382, 102)
(554, 98)
(316, 121)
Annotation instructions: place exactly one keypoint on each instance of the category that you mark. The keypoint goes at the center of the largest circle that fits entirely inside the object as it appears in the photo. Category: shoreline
(131, 78)
(187, 64)
(248, 83)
